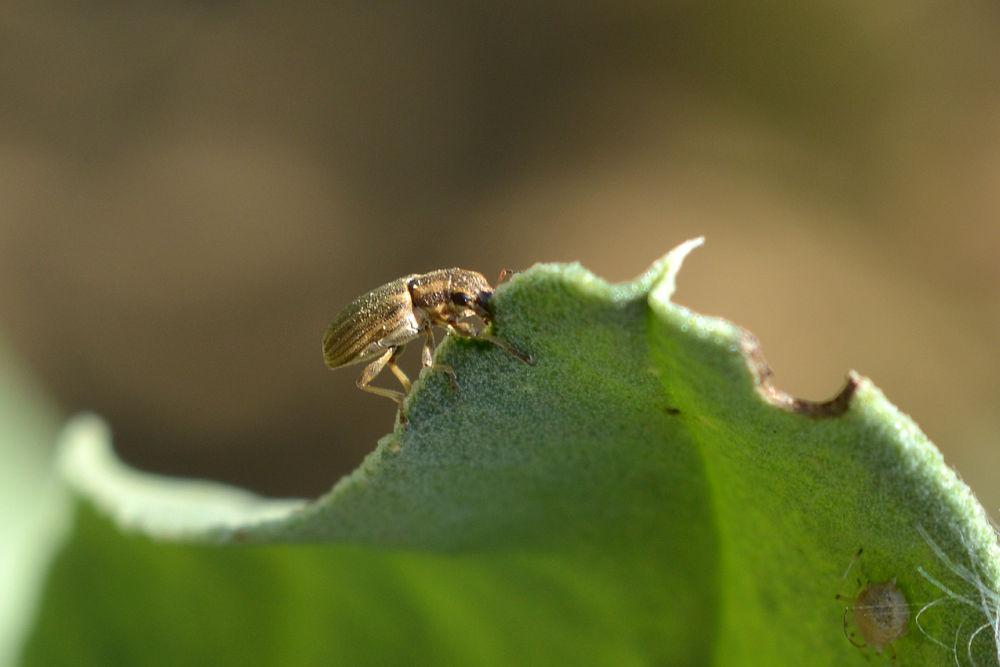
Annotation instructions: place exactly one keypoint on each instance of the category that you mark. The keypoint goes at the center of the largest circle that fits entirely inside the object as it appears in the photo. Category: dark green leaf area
(118, 599)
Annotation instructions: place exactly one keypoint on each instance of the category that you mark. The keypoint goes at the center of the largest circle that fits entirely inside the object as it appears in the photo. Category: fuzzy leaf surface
(640, 495)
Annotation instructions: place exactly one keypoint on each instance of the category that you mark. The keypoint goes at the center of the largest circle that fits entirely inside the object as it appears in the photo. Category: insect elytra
(374, 328)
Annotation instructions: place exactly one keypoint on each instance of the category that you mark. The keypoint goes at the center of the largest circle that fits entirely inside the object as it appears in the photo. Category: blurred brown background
(191, 190)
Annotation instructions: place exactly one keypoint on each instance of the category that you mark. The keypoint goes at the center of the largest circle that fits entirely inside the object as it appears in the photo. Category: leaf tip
(661, 277)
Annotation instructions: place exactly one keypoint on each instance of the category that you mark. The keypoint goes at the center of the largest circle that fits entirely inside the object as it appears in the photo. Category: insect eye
(460, 299)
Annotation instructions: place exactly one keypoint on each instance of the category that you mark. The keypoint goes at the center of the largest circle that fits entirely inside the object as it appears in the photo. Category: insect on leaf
(640, 495)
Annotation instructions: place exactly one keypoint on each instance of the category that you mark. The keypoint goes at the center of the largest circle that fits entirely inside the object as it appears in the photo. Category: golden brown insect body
(880, 612)
(375, 327)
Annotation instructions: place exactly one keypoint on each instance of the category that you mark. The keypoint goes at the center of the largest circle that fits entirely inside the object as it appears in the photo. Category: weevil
(374, 328)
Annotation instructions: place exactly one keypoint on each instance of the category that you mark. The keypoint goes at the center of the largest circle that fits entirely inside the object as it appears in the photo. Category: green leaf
(33, 505)
(640, 495)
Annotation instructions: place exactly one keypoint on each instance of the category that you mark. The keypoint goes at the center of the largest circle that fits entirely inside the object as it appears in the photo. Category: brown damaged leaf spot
(835, 407)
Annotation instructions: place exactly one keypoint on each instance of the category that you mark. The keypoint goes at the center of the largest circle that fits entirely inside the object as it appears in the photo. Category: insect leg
(850, 635)
(854, 560)
(373, 369)
(465, 329)
(426, 354)
(427, 358)
(397, 371)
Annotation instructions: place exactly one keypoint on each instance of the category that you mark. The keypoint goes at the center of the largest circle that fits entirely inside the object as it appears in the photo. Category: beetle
(374, 328)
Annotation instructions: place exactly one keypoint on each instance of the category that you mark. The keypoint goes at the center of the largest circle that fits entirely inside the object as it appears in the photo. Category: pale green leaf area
(33, 503)
(640, 495)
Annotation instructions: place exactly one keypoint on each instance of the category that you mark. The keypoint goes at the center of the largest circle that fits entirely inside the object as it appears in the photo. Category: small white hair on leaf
(988, 602)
